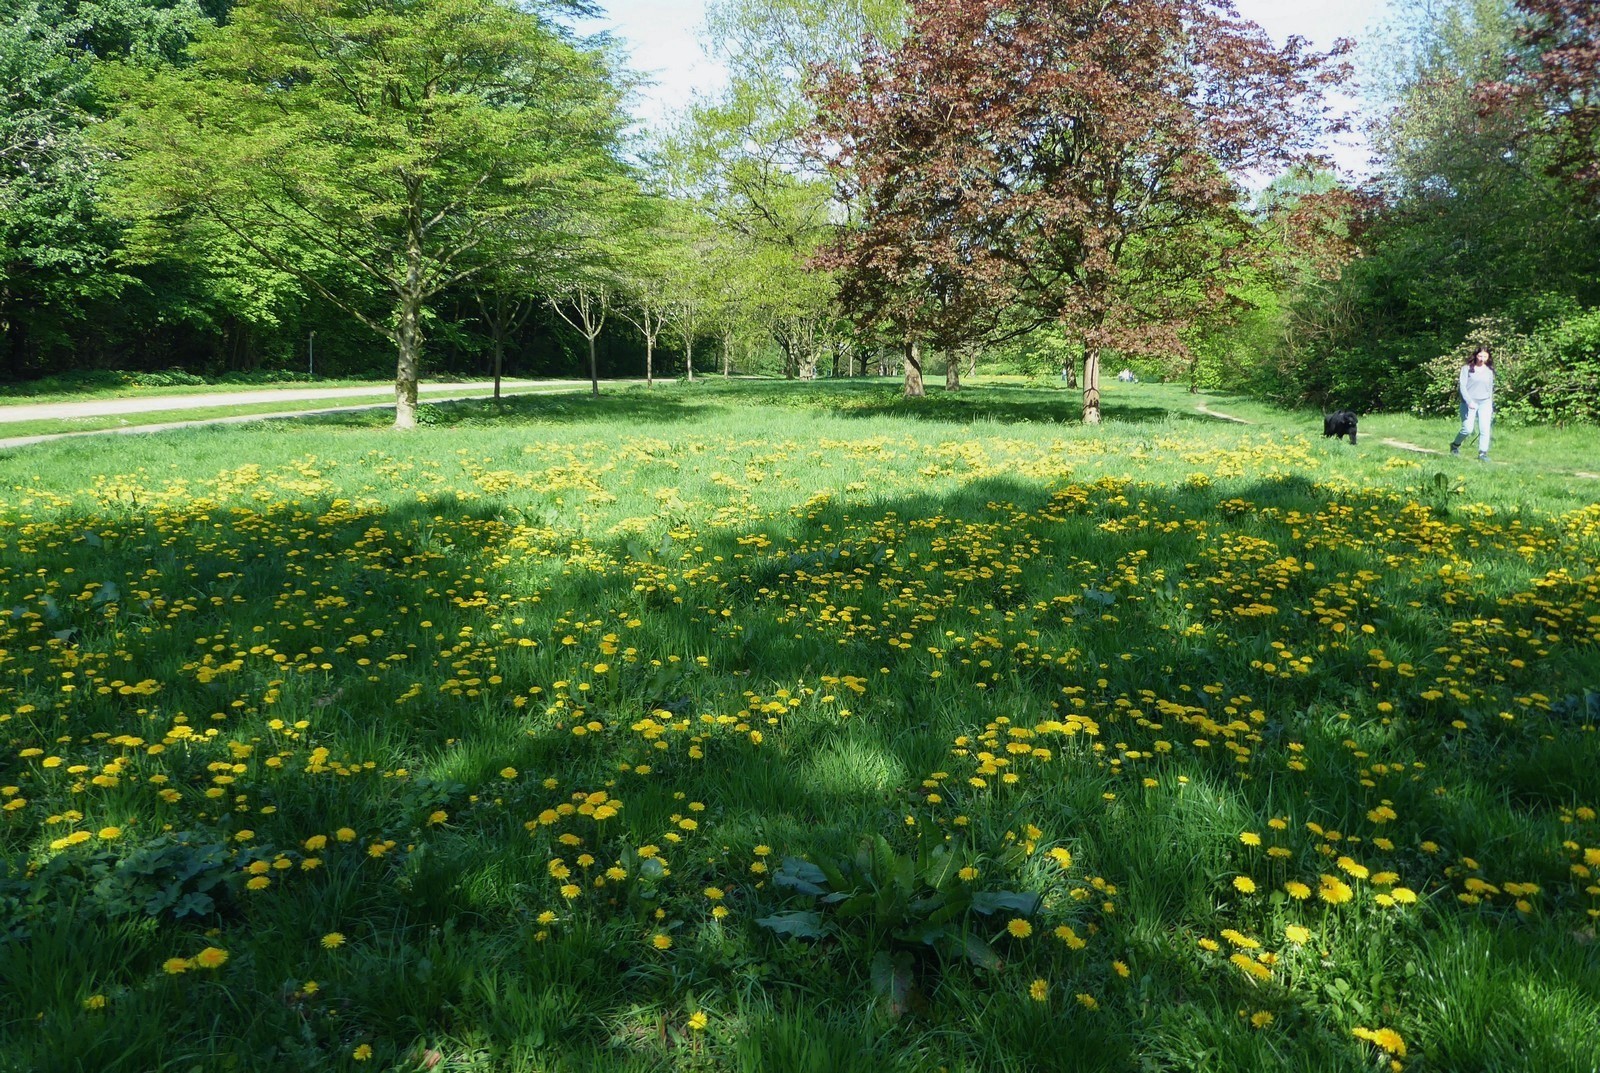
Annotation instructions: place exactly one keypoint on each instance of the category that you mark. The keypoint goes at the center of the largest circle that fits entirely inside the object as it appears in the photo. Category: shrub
(1551, 375)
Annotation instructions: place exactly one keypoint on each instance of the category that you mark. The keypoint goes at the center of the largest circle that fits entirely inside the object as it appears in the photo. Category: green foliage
(437, 141)
(1549, 374)
(893, 907)
(1470, 228)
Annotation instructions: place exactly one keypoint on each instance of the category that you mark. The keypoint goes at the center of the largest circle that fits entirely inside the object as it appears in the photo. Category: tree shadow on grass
(641, 405)
(869, 399)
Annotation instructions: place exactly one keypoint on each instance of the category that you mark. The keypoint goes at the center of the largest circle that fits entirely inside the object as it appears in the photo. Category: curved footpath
(1399, 445)
(68, 411)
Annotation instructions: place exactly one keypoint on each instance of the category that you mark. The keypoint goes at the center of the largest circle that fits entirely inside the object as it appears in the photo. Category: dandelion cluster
(592, 695)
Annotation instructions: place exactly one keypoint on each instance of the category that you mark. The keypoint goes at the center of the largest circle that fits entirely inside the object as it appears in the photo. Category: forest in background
(194, 188)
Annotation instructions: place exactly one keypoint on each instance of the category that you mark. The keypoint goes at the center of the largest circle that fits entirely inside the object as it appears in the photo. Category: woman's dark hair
(1485, 351)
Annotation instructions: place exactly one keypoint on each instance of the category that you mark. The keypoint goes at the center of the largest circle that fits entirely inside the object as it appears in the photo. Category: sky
(662, 36)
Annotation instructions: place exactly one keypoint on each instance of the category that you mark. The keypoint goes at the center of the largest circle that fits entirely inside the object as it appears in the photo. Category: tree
(1470, 216)
(584, 304)
(416, 142)
(504, 312)
(1558, 66)
(646, 310)
(58, 246)
(1093, 150)
(742, 156)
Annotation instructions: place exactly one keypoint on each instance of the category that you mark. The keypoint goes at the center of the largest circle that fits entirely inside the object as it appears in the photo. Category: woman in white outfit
(1477, 402)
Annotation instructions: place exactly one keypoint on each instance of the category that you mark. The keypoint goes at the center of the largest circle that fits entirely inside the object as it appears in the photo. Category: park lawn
(799, 727)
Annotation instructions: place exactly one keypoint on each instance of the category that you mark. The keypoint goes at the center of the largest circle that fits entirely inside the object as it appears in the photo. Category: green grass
(1016, 689)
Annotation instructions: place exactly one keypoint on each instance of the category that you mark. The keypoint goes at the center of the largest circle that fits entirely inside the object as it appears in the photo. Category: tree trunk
(727, 354)
(1069, 373)
(649, 361)
(952, 371)
(884, 361)
(408, 334)
(914, 388)
(1091, 387)
(409, 340)
(594, 370)
(688, 356)
(972, 361)
(499, 359)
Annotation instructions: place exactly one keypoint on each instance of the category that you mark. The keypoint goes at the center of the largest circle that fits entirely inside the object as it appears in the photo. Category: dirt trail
(1203, 408)
(1399, 445)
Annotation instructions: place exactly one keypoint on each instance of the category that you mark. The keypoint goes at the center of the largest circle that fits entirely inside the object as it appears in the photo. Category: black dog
(1340, 423)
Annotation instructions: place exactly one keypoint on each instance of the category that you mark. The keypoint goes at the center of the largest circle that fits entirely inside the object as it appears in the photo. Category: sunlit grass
(1171, 743)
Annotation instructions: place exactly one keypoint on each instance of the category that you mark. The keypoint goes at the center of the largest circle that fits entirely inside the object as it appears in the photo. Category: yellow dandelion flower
(1350, 867)
(698, 1021)
(508, 773)
(436, 818)
(1297, 890)
(661, 941)
(333, 940)
(174, 966)
(211, 957)
(95, 1002)
(108, 833)
(1250, 838)
(1086, 1000)
(259, 883)
(362, 1053)
(1260, 1020)
(1244, 884)
(1297, 934)
(1019, 928)
(1251, 967)
(1386, 1039)
(1039, 990)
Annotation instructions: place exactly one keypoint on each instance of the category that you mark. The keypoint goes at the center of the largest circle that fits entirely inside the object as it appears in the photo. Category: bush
(1551, 375)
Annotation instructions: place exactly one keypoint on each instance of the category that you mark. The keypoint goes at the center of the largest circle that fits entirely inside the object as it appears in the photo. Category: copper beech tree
(1557, 69)
(1082, 159)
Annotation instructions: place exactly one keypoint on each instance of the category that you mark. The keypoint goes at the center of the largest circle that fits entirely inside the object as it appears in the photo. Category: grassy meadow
(766, 727)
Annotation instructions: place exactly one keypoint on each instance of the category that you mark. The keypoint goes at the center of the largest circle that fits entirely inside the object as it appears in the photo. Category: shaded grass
(869, 595)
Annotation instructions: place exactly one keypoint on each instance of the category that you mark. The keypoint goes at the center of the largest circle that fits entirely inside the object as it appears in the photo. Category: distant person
(1477, 402)
(1127, 377)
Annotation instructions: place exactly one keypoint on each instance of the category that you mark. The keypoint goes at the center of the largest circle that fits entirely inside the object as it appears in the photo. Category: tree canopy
(1087, 156)
(413, 144)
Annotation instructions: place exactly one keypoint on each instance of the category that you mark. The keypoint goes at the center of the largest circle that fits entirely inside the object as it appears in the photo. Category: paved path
(161, 404)
(66, 411)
